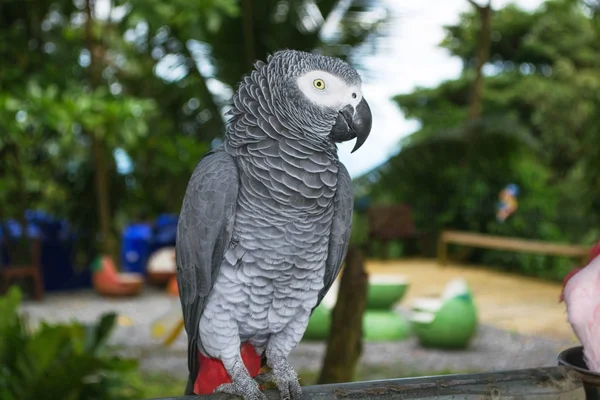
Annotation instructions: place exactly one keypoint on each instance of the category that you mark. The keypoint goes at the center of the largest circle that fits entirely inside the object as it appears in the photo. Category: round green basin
(318, 324)
(385, 290)
(382, 326)
(453, 327)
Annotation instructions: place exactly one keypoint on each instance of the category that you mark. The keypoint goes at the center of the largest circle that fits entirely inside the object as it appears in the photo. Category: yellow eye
(319, 84)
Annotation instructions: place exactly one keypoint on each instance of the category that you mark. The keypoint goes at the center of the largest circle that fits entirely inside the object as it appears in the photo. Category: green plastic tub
(385, 291)
(451, 327)
(385, 326)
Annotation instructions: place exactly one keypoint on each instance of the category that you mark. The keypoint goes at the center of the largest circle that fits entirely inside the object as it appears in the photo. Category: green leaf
(100, 332)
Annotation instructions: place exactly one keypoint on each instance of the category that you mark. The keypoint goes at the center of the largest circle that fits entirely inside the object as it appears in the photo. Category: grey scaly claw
(287, 381)
(245, 387)
(263, 378)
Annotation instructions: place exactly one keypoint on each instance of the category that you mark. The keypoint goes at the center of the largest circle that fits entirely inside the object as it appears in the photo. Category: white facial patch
(327, 90)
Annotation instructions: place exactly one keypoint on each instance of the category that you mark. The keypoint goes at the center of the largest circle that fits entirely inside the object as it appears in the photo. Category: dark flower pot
(573, 358)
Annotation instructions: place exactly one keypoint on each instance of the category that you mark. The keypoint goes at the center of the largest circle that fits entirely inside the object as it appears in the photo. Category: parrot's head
(320, 96)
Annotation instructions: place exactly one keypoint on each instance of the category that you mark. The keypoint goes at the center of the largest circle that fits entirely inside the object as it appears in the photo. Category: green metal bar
(552, 383)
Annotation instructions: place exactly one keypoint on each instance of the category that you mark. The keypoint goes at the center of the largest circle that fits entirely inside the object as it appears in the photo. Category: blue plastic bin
(165, 232)
(57, 241)
(135, 247)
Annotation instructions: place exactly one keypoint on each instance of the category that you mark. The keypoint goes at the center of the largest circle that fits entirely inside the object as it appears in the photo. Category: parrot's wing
(203, 235)
(339, 238)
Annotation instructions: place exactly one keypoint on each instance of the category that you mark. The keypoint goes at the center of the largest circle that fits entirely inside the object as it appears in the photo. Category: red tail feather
(212, 373)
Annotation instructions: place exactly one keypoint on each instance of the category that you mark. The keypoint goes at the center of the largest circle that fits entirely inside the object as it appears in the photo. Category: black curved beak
(353, 123)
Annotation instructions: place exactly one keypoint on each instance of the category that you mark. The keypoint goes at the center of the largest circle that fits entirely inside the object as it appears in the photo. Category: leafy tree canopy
(106, 106)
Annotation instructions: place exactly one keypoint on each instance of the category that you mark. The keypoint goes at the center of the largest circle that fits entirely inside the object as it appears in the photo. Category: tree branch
(479, 7)
(482, 57)
(344, 344)
(108, 243)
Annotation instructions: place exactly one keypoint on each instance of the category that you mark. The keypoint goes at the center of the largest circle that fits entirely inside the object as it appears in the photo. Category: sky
(409, 56)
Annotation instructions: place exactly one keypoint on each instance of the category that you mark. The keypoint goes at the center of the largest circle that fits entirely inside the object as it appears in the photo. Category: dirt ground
(509, 302)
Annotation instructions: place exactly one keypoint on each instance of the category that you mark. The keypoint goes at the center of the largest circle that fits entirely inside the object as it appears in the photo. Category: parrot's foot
(286, 380)
(263, 378)
(243, 386)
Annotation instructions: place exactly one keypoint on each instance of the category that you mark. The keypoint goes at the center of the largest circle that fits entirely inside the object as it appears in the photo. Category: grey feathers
(341, 225)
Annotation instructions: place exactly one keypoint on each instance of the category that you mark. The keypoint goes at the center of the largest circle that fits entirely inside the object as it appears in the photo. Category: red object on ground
(107, 281)
(212, 373)
(172, 288)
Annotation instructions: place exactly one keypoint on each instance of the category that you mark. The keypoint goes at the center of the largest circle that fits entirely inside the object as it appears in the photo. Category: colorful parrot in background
(508, 202)
(265, 222)
(581, 294)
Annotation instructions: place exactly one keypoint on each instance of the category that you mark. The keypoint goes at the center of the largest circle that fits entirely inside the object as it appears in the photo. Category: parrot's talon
(246, 389)
(263, 378)
(287, 381)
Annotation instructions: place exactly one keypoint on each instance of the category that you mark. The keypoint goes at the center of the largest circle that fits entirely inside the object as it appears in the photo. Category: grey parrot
(265, 222)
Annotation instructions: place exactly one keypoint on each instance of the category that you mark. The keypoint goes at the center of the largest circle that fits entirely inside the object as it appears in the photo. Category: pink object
(581, 294)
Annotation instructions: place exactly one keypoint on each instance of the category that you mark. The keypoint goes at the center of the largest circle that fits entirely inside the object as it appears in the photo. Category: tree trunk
(481, 58)
(248, 32)
(23, 198)
(344, 344)
(108, 244)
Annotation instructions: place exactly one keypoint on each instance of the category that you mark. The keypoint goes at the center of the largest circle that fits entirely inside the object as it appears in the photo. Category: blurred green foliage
(64, 361)
(147, 80)
(540, 129)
